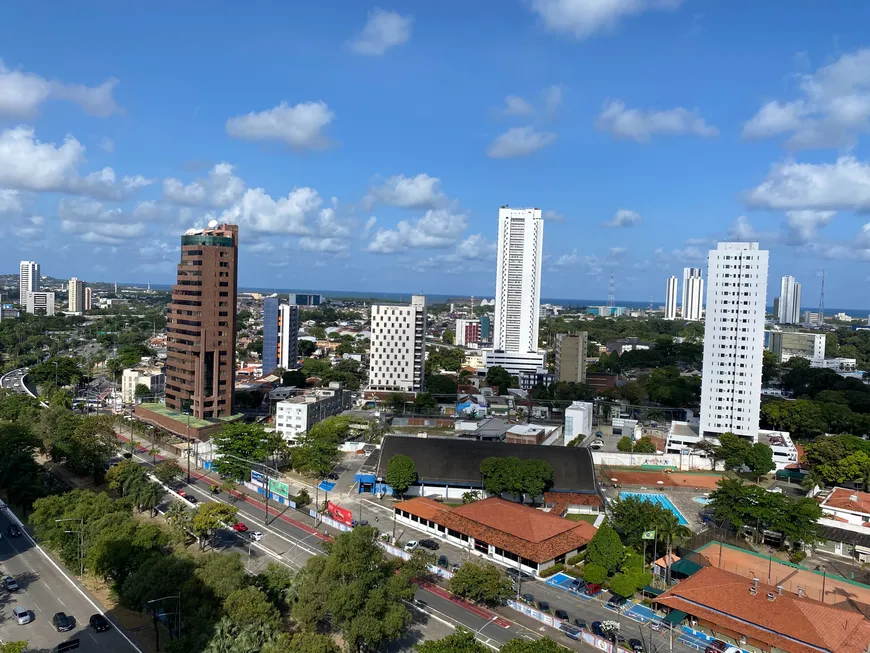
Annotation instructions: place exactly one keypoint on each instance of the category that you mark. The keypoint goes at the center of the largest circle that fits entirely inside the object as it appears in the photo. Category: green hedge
(549, 571)
(573, 572)
(577, 559)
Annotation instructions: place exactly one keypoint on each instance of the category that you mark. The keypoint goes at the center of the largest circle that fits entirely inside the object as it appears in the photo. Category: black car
(432, 545)
(99, 623)
(596, 629)
(332, 476)
(443, 562)
(61, 622)
(636, 645)
(516, 574)
(580, 624)
(543, 606)
(529, 598)
(561, 614)
(616, 602)
(14, 531)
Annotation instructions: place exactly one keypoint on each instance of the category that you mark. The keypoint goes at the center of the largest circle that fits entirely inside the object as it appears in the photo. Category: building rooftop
(845, 499)
(788, 622)
(184, 419)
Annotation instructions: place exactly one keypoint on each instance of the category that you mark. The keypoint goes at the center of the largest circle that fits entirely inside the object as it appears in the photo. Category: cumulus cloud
(96, 223)
(832, 109)
(382, 31)
(10, 202)
(517, 106)
(582, 18)
(642, 124)
(22, 93)
(519, 141)
(258, 211)
(370, 224)
(220, 189)
(437, 228)
(623, 218)
(325, 245)
(301, 126)
(802, 226)
(842, 185)
(419, 192)
(551, 215)
(469, 253)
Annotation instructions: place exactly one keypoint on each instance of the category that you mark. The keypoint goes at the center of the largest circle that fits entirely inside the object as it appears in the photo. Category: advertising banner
(258, 477)
(279, 488)
(339, 514)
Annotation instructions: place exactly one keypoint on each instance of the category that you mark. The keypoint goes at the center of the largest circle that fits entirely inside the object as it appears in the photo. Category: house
(845, 523)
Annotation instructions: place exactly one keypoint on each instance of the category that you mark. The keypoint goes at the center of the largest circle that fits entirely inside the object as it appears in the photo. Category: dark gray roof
(846, 537)
(457, 460)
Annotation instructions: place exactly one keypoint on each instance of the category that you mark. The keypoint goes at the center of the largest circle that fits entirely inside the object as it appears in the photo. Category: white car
(22, 615)
(256, 536)
(412, 545)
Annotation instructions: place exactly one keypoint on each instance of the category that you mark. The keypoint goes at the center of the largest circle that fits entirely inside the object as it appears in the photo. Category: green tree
(293, 378)
(317, 450)
(306, 642)
(441, 385)
(142, 390)
(759, 459)
(401, 473)
(92, 444)
(482, 582)
(460, 641)
(497, 376)
(425, 404)
(150, 496)
(249, 606)
(448, 337)
(543, 645)
(209, 517)
(237, 440)
(624, 444)
(65, 372)
(644, 445)
(14, 647)
(594, 573)
(62, 399)
(605, 548)
(277, 582)
(167, 471)
(222, 573)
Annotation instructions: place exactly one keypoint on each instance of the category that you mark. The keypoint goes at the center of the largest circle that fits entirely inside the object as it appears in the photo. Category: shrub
(577, 559)
(797, 556)
(573, 572)
(549, 571)
(302, 499)
(593, 573)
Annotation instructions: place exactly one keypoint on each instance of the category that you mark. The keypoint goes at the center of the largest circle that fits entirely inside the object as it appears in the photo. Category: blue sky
(365, 147)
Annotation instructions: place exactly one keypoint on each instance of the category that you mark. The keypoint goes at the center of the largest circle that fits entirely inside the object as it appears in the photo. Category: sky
(367, 147)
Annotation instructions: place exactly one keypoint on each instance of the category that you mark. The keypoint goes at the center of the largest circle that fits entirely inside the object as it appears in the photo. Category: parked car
(240, 528)
(718, 646)
(443, 562)
(412, 545)
(569, 630)
(13, 531)
(332, 476)
(61, 622)
(22, 615)
(187, 497)
(455, 567)
(517, 574)
(561, 614)
(578, 585)
(99, 623)
(655, 625)
(580, 623)
(598, 434)
(543, 606)
(636, 645)
(432, 545)
(592, 589)
(615, 602)
(529, 598)
(256, 536)
(11, 584)
(596, 629)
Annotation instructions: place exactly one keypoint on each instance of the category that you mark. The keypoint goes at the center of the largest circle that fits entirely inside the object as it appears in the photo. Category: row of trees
(643, 445)
(609, 561)
(516, 476)
(738, 454)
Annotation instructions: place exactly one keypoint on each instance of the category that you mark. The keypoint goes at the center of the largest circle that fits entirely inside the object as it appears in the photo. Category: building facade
(76, 293)
(578, 420)
(398, 346)
(270, 334)
(89, 298)
(28, 279)
(467, 332)
(295, 415)
(39, 302)
(201, 324)
(789, 301)
(288, 336)
(693, 294)
(786, 345)
(671, 299)
(734, 340)
(571, 356)
(305, 299)
(152, 377)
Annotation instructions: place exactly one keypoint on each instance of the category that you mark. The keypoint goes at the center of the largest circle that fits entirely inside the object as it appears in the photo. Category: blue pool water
(660, 499)
(702, 500)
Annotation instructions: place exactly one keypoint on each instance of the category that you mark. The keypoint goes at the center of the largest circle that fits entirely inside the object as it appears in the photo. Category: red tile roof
(525, 531)
(789, 622)
(842, 498)
(572, 498)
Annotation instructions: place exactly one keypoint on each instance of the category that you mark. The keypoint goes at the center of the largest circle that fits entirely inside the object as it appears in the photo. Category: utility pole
(81, 534)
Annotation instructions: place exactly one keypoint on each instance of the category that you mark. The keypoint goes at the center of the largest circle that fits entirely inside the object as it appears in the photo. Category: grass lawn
(587, 518)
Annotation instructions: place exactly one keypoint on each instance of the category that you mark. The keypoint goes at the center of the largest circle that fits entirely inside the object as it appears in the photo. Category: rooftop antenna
(650, 303)
(822, 301)
(610, 300)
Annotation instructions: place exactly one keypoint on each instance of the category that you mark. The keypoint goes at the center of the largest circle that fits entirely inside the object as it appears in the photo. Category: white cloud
(741, 230)
(260, 247)
(325, 245)
(10, 202)
(301, 126)
(803, 225)
(552, 99)
(220, 189)
(519, 141)
(107, 145)
(370, 224)
(437, 228)
(419, 192)
(623, 218)
(22, 93)
(832, 111)
(618, 251)
(551, 215)
(157, 249)
(256, 210)
(582, 18)
(517, 106)
(842, 185)
(640, 125)
(468, 254)
(591, 265)
(382, 31)
(476, 248)
(110, 233)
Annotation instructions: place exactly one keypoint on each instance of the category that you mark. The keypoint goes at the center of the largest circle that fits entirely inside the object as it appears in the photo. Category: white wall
(683, 463)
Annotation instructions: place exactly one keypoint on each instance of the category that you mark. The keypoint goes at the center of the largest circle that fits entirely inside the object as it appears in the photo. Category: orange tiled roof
(573, 498)
(789, 622)
(842, 498)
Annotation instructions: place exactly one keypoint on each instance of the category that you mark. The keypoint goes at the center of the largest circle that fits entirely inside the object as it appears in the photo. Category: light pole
(266, 469)
(55, 373)
(81, 534)
(177, 598)
(480, 630)
(824, 569)
(298, 542)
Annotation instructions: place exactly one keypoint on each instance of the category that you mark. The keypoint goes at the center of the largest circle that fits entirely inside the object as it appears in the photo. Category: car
(569, 630)
(616, 602)
(99, 623)
(13, 531)
(578, 585)
(518, 574)
(598, 434)
(432, 545)
(592, 589)
(543, 606)
(580, 623)
(412, 545)
(596, 629)
(22, 615)
(455, 567)
(187, 497)
(256, 536)
(61, 622)
(636, 645)
(529, 598)
(332, 476)
(11, 584)
(561, 614)
(240, 528)
(655, 625)
(443, 562)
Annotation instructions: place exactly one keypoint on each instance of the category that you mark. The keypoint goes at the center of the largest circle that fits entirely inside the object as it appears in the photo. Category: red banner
(340, 514)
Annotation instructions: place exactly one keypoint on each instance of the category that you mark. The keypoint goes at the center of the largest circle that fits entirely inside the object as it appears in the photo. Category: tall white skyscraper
(398, 346)
(28, 279)
(693, 294)
(76, 293)
(734, 340)
(789, 301)
(518, 280)
(288, 336)
(671, 299)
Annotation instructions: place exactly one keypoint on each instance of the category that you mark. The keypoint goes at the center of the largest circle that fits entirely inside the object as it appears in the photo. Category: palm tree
(224, 638)
(150, 496)
(670, 530)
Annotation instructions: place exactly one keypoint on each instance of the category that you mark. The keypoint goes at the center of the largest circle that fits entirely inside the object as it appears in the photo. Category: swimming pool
(660, 499)
(702, 500)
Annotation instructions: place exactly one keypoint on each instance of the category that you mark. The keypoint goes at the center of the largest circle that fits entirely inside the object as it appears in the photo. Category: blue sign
(326, 486)
(257, 476)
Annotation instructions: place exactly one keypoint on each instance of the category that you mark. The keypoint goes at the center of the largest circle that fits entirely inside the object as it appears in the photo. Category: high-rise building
(201, 324)
(486, 328)
(467, 332)
(76, 292)
(39, 302)
(693, 294)
(288, 336)
(305, 299)
(270, 334)
(671, 299)
(28, 279)
(398, 346)
(789, 301)
(89, 298)
(571, 356)
(733, 340)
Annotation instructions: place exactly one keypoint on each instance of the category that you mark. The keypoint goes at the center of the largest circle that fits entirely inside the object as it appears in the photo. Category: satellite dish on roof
(212, 224)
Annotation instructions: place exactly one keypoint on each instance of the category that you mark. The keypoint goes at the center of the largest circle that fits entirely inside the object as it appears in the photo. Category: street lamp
(480, 630)
(55, 373)
(177, 598)
(266, 469)
(81, 534)
(824, 569)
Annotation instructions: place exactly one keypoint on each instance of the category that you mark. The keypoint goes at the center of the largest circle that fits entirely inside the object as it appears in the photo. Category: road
(14, 381)
(45, 590)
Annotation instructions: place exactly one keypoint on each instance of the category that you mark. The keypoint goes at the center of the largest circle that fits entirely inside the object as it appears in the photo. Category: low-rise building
(844, 524)
(839, 365)
(529, 379)
(295, 415)
(39, 302)
(151, 377)
(533, 434)
(684, 438)
(578, 420)
(786, 345)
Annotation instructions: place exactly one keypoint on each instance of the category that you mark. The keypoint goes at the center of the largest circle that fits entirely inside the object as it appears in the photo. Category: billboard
(339, 514)
(279, 488)
(258, 477)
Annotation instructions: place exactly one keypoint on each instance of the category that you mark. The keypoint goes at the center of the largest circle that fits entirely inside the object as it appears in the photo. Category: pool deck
(681, 498)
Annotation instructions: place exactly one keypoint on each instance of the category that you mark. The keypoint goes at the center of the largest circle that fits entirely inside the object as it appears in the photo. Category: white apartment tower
(288, 336)
(734, 340)
(398, 346)
(28, 279)
(789, 301)
(671, 299)
(89, 298)
(76, 292)
(693, 294)
(40, 303)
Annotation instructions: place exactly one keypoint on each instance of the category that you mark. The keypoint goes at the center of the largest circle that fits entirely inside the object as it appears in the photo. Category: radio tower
(650, 303)
(822, 301)
(610, 301)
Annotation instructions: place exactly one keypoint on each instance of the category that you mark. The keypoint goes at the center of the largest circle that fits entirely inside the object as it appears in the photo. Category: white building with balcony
(398, 346)
(295, 415)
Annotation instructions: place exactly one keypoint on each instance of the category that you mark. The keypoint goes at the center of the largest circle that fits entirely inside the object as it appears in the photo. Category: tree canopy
(482, 582)
(246, 441)
(517, 476)
(401, 473)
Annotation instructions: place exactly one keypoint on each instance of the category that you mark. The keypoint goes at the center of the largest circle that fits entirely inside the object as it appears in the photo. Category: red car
(240, 528)
(592, 589)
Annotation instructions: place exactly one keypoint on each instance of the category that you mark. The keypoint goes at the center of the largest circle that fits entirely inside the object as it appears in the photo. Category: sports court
(777, 572)
(654, 478)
